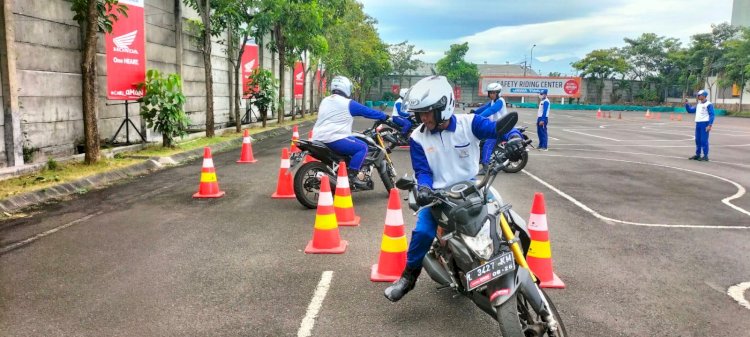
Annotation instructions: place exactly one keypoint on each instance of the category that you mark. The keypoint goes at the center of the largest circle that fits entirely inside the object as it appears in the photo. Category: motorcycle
(392, 135)
(480, 252)
(517, 165)
(307, 177)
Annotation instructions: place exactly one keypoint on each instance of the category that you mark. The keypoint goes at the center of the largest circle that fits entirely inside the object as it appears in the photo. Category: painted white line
(553, 138)
(651, 154)
(586, 134)
(305, 329)
(740, 192)
(654, 146)
(737, 291)
(13, 246)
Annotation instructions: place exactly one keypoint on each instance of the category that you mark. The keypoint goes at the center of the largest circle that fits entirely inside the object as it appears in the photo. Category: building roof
(425, 69)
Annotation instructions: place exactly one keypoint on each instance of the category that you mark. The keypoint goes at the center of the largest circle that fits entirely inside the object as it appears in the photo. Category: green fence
(718, 112)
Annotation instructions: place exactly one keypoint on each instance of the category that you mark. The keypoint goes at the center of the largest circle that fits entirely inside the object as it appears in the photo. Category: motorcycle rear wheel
(518, 319)
(307, 183)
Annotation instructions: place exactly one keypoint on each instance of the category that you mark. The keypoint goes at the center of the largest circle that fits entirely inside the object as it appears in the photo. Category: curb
(104, 179)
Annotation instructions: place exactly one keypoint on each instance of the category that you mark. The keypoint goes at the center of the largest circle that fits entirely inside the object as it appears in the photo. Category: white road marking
(726, 201)
(649, 145)
(553, 138)
(305, 329)
(653, 155)
(13, 246)
(737, 293)
(586, 134)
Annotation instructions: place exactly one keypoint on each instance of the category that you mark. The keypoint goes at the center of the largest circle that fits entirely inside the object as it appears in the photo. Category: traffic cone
(539, 257)
(295, 138)
(679, 117)
(326, 239)
(393, 247)
(342, 202)
(648, 114)
(599, 113)
(308, 157)
(284, 186)
(246, 154)
(671, 116)
(209, 185)
(658, 116)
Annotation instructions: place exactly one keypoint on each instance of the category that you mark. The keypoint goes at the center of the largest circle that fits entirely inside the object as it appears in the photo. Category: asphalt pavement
(647, 242)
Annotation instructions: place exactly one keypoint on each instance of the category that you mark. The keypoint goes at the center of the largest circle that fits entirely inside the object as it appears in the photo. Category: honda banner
(457, 93)
(395, 89)
(249, 63)
(126, 53)
(529, 86)
(299, 79)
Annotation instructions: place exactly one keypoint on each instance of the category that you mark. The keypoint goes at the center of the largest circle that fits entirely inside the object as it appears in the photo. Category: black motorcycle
(480, 252)
(392, 135)
(307, 177)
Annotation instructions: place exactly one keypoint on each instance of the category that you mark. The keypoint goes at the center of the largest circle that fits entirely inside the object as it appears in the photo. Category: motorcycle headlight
(482, 243)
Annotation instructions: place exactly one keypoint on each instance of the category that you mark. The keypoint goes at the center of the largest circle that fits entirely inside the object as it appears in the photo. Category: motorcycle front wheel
(307, 183)
(518, 319)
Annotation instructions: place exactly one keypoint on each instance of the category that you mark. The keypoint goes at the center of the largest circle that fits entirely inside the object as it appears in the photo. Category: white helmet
(494, 87)
(432, 94)
(341, 84)
(402, 92)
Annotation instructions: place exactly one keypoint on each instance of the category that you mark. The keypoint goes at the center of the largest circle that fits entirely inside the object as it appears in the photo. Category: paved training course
(647, 242)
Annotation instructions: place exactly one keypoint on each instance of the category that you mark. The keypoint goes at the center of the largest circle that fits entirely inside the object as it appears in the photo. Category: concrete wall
(48, 44)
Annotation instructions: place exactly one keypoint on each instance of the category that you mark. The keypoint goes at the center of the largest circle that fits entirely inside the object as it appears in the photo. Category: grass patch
(745, 114)
(159, 151)
(63, 172)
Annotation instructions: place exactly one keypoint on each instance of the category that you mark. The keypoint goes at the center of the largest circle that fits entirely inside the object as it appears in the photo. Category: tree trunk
(282, 60)
(205, 17)
(165, 141)
(89, 92)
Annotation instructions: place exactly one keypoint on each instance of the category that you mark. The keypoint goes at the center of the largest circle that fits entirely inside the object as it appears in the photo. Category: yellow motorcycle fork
(380, 141)
(515, 247)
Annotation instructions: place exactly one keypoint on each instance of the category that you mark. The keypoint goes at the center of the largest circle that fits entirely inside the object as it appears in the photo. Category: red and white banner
(395, 89)
(530, 86)
(317, 79)
(299, 79)
(249, 63)
(126, 53)
(457, 93)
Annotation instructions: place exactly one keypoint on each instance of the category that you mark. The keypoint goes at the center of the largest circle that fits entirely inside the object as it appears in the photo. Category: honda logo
(123, 42)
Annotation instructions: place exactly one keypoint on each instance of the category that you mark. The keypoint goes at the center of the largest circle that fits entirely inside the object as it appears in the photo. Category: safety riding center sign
(126, 53)
(530, 86)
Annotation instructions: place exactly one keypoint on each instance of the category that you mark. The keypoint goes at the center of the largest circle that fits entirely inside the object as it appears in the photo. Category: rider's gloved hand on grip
(471, 111)
(424, 196)
(514, 149)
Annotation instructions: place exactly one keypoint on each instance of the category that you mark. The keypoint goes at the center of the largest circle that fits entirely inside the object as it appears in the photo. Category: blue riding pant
(542, 132)
(353, 147)
(701, 138)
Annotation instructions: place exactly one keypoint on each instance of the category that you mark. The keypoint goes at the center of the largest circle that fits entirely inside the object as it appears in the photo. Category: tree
(649, 61)
(93, 16)
(706, 50)
(204, 8)
(455, 68)
(401, 58)
(737, 60)
(261, 87)
(163, 105)
(601, 64)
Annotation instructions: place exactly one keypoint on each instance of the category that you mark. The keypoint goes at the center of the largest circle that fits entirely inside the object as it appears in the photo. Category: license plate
(491, 270)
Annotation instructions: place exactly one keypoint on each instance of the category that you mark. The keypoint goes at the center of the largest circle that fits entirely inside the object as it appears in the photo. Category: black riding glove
(471, 111)
(513, 150)
(424, 196)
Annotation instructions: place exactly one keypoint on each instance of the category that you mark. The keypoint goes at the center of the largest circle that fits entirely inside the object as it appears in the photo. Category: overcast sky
(503, 31)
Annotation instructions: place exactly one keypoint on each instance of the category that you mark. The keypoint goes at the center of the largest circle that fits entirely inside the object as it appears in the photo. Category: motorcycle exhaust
(436, 271)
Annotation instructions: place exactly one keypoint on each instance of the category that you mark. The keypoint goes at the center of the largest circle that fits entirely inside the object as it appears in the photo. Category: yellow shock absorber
(380, 141)
(515, 247)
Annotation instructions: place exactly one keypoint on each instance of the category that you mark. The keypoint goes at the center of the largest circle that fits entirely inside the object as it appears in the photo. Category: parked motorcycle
(480, 252)
(307, 177)
(517, 165)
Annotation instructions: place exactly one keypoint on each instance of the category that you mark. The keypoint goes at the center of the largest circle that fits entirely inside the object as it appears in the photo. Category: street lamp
(531, 59)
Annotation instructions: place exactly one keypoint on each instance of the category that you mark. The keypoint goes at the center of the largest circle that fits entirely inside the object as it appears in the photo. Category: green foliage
(401, 58)
(455, 68)
(737, 59)
(108, 11)
(601, 64)
(261, 87)
(162, 105)
(52, 164)
(389, 96)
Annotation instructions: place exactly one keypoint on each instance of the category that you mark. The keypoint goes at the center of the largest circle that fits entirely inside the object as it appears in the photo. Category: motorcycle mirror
(405, 183)
(505, 124)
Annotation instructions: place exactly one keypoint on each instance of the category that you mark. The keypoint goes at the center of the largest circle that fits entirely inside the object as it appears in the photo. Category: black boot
(483, 170)
(354, 180)
(403, 285)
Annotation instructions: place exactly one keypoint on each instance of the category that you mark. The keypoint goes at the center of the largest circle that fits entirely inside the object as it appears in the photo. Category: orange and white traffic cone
(658, 116)
(539, 257)
(342, 202)
(295, 138)
(209, 185)
(679, 117)
(393, 247)
(308, 157)
(599, 113)
(246, 154)
(648, 114)
(326, 238)
(284, 186)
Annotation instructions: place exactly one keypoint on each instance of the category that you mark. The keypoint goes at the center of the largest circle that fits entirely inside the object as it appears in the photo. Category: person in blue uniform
(704, 120)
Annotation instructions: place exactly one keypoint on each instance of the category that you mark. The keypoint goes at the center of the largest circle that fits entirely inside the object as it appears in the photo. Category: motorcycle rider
(542, 119)
(334, 125)
(402, 119)
(444, 151)
(494, 110)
